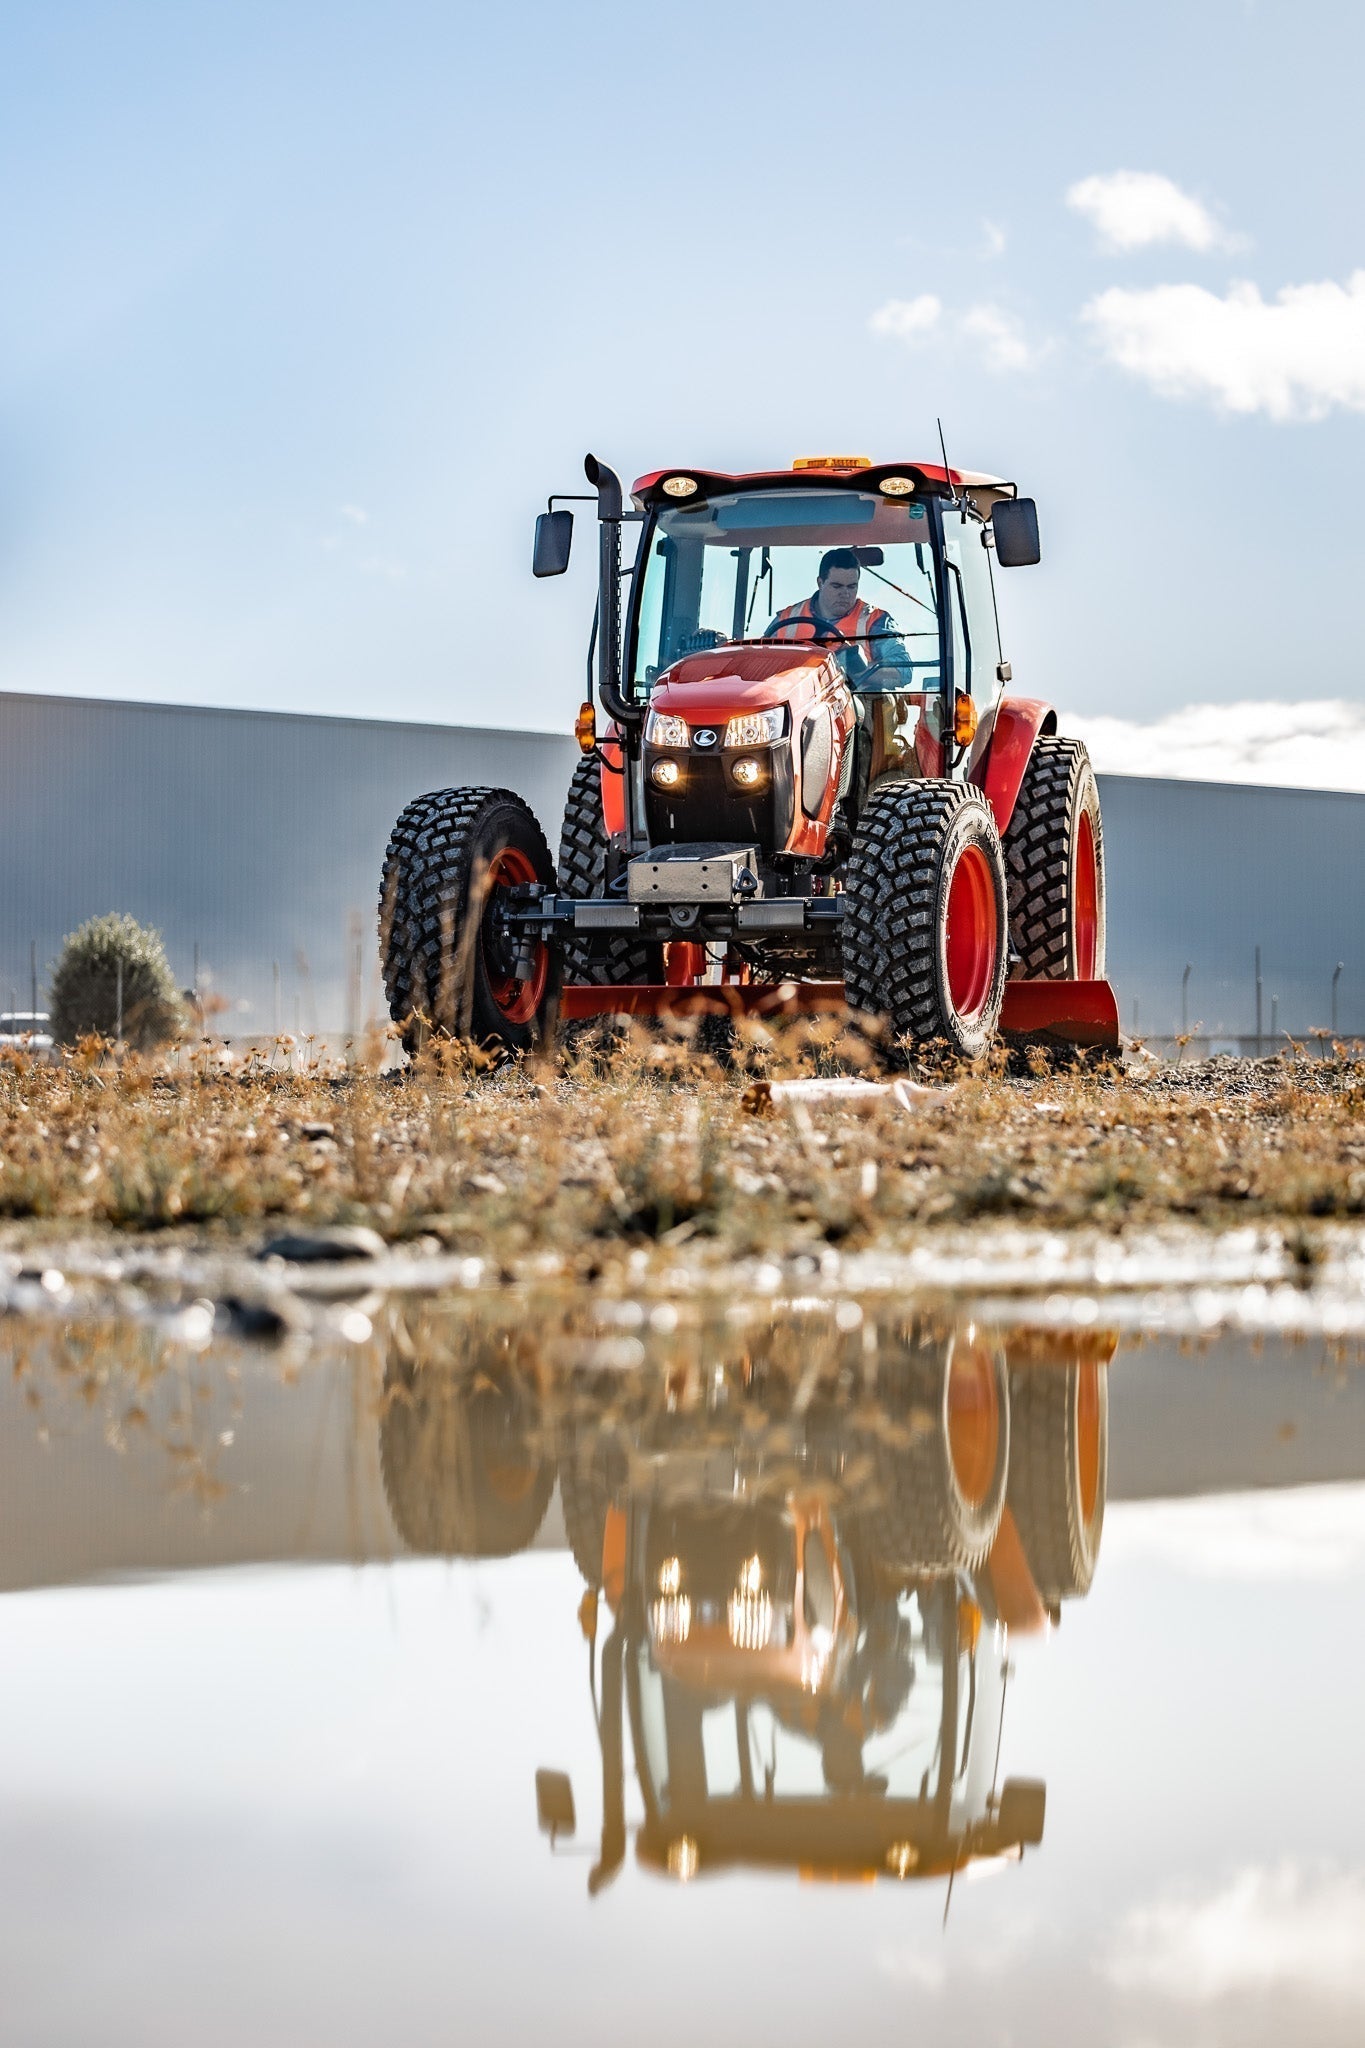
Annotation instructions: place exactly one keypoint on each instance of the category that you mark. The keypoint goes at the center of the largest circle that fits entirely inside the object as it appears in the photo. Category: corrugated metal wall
(258, 838)
(1202, 873)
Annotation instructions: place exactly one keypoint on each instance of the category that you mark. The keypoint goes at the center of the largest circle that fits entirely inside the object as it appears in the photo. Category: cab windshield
(748, 567)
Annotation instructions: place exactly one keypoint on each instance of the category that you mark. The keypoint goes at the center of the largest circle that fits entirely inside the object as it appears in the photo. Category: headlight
(756, 728)
(665, 731)
(670, 1618)
(746, 773)
(750, 1616)
(665, 774)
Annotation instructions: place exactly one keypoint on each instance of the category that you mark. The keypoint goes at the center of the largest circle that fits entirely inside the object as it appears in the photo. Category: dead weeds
(636, 1137)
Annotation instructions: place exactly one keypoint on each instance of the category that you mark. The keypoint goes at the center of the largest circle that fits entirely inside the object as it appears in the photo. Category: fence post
(1336, 977)
(1185, 1001)
(1259, 1041)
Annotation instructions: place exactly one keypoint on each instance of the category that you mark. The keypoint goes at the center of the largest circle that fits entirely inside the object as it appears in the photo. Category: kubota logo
(704, 737)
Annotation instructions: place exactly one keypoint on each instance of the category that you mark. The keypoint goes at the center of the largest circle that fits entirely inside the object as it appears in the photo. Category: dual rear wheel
(939, 911)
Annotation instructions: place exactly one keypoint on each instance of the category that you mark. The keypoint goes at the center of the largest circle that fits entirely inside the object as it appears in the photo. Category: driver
(837, 610)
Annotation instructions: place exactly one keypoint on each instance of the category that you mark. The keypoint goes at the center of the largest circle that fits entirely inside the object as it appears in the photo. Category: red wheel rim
(1087, 900)
(517, 1000)
(971, 936)
(1088, 1438)
(973, 1422)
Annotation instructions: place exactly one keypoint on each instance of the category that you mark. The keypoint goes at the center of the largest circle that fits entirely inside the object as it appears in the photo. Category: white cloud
(1001, 337)
(907, 319)
(1137, 209)
(357, 514)
(385, 566)
(1317, 745)
(1301, 1533)
(912, 1967)
(1295, 357)
(995, 238)
(997, 334)
(1264, 1930)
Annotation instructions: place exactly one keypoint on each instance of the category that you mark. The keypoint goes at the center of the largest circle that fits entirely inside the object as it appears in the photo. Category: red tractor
(799, 799)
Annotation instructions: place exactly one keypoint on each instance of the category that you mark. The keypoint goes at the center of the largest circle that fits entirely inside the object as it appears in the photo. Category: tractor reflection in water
(810, 1576)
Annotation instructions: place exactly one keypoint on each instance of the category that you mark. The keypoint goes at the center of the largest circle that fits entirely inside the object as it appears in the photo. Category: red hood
(732, 679)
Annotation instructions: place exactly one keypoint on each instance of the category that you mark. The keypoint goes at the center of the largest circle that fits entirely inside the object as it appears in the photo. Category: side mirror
(554, 1793)
(554, 538)
(1023, 1804)
(1014, 522)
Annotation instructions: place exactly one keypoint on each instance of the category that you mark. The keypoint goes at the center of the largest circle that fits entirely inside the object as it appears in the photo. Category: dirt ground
(645, 1140)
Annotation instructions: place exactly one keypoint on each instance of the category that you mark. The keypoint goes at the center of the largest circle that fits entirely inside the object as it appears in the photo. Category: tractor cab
(817, 1724)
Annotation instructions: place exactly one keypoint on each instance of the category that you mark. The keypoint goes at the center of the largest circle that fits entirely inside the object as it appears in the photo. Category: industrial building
(253, 842)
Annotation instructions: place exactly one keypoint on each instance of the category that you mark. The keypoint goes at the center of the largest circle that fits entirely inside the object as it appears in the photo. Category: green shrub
(85, 986)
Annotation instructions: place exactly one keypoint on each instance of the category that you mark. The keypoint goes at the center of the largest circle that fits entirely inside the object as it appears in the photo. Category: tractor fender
(1017, 1599)
(613, 782)
(999, 770)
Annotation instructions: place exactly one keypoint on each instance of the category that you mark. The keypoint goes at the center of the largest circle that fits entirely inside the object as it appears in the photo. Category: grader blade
(1067, 1012)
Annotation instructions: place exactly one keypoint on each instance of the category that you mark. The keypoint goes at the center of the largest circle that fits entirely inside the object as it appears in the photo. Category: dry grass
(644, 1139)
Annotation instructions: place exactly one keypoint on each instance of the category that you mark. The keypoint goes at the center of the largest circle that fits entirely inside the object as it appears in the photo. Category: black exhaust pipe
(607, 484)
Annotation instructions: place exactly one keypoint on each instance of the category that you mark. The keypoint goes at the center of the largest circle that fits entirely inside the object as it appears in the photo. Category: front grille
(707, 804)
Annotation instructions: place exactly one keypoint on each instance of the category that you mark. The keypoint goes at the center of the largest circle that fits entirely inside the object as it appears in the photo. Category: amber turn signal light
(585, 728)
(964, 719)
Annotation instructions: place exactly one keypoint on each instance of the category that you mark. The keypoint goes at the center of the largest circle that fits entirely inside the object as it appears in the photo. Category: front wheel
(456, 861)
(924, 925)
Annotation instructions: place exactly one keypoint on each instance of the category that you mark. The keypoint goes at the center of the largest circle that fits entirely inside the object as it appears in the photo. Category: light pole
(1185, 1002)
(1336, 977)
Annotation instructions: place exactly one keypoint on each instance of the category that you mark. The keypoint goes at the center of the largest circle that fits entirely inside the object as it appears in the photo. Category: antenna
(947, 471)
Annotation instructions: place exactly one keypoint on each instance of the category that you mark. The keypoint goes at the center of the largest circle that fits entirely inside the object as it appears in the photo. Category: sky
(307, 308)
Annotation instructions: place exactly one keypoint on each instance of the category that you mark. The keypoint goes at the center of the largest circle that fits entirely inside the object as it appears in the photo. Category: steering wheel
(820, 637)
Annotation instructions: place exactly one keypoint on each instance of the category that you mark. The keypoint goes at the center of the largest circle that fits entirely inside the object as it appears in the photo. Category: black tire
(912, 841)
(447, 967)
(461, 1473)
(1047, 864)
(588, 1486)
(928, 1509)
(1059, 1464)
(607, 958)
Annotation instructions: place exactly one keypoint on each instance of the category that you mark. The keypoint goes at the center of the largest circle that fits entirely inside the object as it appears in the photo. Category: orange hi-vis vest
(793, 617)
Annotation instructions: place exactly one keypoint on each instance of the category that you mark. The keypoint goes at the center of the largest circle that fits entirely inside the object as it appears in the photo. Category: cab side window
(962, 544)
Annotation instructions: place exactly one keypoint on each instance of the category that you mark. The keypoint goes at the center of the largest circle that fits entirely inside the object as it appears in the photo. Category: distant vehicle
(29, 1028)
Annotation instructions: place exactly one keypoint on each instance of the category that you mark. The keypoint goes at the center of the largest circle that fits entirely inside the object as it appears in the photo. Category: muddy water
(592, 1671)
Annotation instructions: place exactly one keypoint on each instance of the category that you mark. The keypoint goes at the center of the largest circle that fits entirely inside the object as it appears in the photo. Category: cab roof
(931, 478)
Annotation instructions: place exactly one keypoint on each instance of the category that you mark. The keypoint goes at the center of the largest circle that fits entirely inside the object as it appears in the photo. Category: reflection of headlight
(665, 731)
(670, 1618)
(751, 1620)
(755, 728)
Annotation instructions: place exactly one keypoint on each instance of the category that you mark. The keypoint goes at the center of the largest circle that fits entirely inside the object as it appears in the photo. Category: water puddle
(548, 1664)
